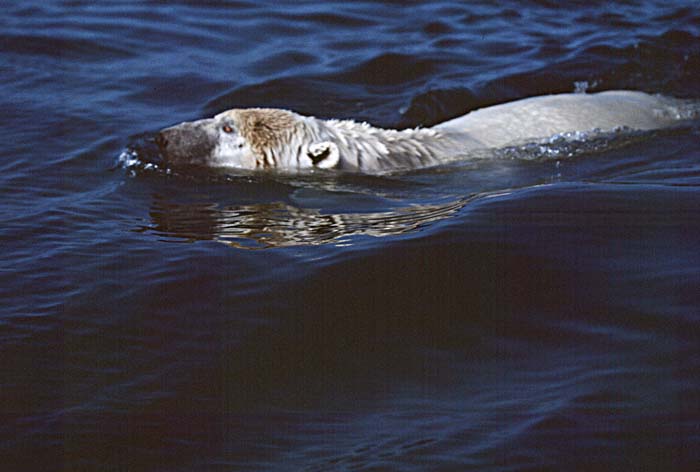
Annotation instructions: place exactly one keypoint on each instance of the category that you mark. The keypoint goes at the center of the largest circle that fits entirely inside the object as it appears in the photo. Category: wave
(62, 48)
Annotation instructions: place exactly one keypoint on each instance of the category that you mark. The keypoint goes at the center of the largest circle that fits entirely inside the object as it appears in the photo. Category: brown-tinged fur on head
(266, 129)
(281, 137)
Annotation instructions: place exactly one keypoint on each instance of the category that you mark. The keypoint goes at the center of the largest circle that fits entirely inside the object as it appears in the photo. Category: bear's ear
(324, 155)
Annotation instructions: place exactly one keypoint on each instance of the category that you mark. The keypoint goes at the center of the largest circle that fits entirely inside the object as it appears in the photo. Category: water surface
(535, 311)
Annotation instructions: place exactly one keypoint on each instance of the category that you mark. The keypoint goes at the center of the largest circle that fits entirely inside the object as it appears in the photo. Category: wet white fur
(359, 146)
(232, 150)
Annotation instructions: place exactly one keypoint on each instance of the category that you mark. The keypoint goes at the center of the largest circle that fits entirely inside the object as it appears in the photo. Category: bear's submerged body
(284, 140)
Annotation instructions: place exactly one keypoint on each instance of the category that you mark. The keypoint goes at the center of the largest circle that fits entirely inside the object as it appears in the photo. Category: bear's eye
(227, 129)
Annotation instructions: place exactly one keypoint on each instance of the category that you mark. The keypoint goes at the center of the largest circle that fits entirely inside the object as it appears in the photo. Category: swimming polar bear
(263, 138)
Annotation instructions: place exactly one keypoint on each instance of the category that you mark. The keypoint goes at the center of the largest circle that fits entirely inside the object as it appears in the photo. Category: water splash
(571, 144)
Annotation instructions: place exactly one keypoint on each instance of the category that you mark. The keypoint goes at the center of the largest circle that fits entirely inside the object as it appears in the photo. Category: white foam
(128, 158)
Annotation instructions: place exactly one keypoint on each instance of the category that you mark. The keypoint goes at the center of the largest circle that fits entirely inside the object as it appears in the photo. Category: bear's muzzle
(190, 143)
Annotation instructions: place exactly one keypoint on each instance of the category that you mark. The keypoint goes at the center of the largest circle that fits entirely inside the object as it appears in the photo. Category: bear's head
(255, 138)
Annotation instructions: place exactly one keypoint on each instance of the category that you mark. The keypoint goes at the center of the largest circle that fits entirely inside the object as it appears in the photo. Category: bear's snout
(186, 144)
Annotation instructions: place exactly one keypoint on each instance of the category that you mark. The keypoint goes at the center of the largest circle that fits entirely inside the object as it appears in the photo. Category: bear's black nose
(161, 141)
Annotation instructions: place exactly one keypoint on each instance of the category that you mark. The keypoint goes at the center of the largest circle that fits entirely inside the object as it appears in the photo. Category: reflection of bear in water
(278, 224)
(271, 138)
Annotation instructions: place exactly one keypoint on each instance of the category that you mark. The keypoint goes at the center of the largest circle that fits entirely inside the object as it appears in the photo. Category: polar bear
(263, 138)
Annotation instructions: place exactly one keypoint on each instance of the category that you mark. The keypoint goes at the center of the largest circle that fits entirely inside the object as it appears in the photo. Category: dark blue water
(537, 311)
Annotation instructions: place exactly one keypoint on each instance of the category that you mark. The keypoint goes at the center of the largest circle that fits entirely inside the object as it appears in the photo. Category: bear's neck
(364, 147)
